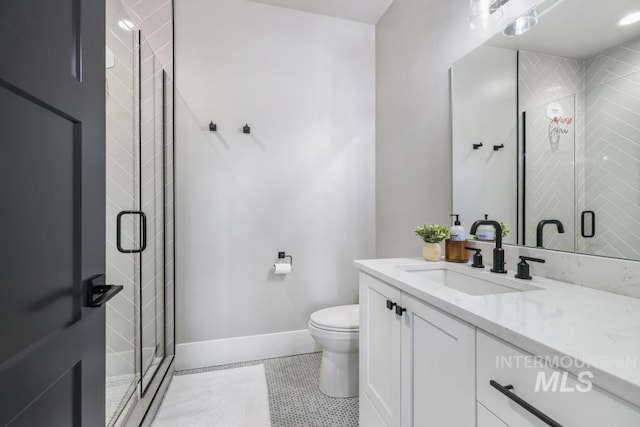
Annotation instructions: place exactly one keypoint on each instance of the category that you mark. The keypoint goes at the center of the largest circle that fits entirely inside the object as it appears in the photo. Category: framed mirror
(546, 130)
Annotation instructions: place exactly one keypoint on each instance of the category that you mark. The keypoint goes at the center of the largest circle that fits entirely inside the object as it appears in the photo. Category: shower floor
(119, 389)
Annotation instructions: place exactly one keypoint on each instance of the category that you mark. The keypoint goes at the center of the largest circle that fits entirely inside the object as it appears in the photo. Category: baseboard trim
(243, 349)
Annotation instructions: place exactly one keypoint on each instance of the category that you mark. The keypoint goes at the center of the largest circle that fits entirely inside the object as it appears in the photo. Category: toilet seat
(343, 318)
(337, 330)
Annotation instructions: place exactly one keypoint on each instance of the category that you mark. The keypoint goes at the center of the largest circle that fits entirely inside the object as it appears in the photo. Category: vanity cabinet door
(438, 368)
(379, 351)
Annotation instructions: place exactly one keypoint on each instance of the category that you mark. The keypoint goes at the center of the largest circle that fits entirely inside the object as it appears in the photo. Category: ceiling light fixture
(631, 18)
(125, 24)
(485, 11)
(523, 24)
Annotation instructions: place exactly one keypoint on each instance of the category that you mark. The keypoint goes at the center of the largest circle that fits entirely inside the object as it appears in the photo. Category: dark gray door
(52, 202)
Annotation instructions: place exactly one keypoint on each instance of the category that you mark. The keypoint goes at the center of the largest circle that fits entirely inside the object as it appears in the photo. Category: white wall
(301, 182)
(417, 41)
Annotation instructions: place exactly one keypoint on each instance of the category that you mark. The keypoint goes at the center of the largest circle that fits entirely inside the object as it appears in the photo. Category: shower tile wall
(155, 19)
(550, 191)
(121, 165)
(612, 156)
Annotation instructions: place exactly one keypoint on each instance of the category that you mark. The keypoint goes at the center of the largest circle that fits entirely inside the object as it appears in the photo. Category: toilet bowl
(336, 329)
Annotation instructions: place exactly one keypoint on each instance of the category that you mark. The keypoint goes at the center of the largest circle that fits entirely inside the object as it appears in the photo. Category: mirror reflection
(546, 130)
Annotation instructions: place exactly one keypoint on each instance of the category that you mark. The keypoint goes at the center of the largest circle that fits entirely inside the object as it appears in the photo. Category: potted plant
(432, 236)
(505, 229)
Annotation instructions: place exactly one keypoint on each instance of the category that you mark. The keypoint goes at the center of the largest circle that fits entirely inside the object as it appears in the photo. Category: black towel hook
(498, 147)
(213, 127)
(246, 129)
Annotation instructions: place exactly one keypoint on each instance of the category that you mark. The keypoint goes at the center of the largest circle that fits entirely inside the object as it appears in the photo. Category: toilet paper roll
(281, 268)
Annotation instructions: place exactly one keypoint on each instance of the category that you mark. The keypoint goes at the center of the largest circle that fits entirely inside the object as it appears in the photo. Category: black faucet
(498, 252)
(540, 229)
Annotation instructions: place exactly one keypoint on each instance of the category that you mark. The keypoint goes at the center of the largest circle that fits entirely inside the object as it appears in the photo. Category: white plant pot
(431, 251)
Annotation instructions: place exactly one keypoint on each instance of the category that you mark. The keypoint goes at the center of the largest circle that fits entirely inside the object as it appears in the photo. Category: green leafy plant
(505, 229)
(434, 233)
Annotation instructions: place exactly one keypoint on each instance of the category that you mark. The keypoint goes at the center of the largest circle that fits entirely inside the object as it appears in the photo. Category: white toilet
(336, 329)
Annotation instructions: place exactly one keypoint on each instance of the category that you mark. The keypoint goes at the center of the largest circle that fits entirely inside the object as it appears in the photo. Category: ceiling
(576, 29)
(367, 11)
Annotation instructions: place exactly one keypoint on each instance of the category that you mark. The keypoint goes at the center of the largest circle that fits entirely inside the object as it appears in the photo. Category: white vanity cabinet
(421, 367)
(417, 364)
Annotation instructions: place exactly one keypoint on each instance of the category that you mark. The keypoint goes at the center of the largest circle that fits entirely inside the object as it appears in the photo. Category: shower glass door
(152, 175)
(122, 189)
(549, 172)
(139, 221)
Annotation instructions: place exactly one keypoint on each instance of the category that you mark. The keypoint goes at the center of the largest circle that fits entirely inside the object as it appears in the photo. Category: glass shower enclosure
(139, 221)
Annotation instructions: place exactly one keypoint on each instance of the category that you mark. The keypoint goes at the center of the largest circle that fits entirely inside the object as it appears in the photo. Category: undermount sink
(468, 284)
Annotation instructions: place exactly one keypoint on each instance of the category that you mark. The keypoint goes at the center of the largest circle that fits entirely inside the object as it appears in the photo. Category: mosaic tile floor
(118, 390)
(294, 397)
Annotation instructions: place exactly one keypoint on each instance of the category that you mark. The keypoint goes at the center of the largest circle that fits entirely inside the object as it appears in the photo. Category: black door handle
(400, 310)
(583, 216)
(95, 286)
(506, 390)
(143, 244)
(390, 304)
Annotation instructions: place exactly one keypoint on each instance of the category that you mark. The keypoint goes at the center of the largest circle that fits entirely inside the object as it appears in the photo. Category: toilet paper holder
(282, 255)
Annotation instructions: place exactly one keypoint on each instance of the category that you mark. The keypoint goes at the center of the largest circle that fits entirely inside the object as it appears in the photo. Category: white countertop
(590, 326)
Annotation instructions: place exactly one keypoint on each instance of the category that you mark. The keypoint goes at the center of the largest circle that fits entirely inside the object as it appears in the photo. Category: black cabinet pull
(506, 390)
(583, 217)
(95, 286)
(400, 310)
(390, 304)
(143, 244)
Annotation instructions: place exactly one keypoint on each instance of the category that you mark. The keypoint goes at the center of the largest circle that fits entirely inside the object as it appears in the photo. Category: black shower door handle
(583, 217)
(143, 232)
